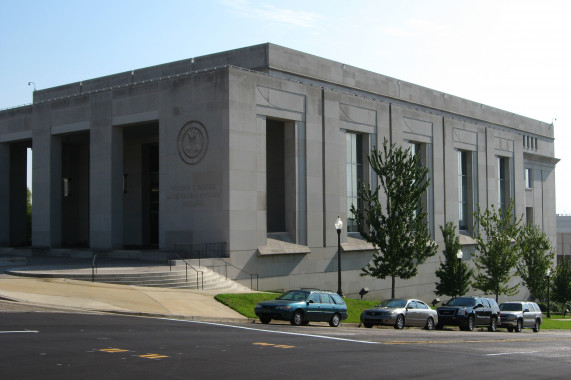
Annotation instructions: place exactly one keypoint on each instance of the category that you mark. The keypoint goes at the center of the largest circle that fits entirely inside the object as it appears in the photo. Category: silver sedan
(400, 313)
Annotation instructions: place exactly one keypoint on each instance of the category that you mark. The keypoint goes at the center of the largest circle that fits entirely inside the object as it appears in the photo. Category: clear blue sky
(514, 55)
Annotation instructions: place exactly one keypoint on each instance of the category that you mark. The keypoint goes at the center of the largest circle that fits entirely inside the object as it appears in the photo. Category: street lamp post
(338, 227)
(548, 286)
(459, 255)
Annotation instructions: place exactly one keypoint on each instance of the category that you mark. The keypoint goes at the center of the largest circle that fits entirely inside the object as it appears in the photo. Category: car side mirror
(310, 301)
(479, 305)
(526, 310)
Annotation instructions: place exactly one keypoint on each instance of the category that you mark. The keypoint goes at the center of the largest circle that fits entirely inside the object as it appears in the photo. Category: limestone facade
(260, 148)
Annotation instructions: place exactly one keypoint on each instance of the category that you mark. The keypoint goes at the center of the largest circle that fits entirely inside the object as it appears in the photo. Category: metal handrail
(187, 265)
(213, 251)
(202, 250)
(93, 268)
(242, 270)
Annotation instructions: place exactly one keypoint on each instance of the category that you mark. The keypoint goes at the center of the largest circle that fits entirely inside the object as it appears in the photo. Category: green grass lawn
(244, 304)
(556, 322)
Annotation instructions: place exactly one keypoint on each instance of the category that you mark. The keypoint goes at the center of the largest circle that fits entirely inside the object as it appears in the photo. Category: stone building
(563, 238)
(260, 148)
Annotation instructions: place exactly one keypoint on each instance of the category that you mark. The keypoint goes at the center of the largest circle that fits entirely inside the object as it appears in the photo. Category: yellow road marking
(153, 356)
(273, 345)
(147, 356)
(113, 350)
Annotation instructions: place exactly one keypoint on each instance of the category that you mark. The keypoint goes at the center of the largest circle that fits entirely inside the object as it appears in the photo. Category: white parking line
(513, 353)
(19, 332)
(275, 332)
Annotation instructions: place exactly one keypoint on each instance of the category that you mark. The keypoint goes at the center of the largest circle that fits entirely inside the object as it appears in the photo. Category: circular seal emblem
(192, 142)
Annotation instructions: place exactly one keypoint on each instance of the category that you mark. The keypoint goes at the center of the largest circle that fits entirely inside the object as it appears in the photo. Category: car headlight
(283, 307)
(461, 312)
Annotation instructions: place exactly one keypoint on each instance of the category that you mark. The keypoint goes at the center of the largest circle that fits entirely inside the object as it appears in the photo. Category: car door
(412, 313)
(480, 311)
(327, 307)
(423, 313)
(528, 315)
(313, 308)
(487, 312)
(339, 304)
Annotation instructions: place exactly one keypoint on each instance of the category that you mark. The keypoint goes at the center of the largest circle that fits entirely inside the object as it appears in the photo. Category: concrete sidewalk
(137, 300)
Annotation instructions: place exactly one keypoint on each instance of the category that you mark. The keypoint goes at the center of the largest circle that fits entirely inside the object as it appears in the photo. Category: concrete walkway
(93, 296)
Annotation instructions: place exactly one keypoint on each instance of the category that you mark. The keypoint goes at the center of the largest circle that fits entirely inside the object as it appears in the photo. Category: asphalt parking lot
(53, 343)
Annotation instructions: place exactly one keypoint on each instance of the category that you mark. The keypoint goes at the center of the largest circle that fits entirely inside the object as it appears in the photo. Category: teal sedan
(303, 306)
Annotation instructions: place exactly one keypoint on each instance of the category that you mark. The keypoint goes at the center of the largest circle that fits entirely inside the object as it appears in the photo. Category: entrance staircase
(177, 276)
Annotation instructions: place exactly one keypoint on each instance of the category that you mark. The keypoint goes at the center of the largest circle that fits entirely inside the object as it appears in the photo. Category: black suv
(467, 312)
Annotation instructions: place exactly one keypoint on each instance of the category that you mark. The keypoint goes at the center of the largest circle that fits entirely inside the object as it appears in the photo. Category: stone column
(106, 176)
(47, 187)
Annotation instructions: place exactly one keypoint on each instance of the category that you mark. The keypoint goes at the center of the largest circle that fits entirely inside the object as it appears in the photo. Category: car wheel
(470, 324)
(519, 325)
(399, 323)
(297, 319)
(493, 325)
(334, 321)
(510, 329)
(439, 326)
(367, 325)
(265, 320)
(537, 326)
(429, 324)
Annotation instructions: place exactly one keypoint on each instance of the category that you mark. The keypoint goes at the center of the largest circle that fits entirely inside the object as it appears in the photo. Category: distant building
(564, 238)
(259, 148)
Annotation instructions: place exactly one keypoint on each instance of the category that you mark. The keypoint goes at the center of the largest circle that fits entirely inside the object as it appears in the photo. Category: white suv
(517, 315)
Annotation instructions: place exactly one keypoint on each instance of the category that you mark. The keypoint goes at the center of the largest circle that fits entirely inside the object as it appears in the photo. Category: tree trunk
(393, 286)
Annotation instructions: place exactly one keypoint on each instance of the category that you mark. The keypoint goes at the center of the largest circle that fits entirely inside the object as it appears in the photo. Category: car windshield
(510, 307)
(461, 302)
(396, 304)
(294, 295)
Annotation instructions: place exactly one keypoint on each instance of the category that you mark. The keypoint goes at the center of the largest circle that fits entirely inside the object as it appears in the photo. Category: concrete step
(210, 281)
(142, 276)
(12, 260)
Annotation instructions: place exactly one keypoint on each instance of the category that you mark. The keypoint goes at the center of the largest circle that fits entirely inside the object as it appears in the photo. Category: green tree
(536, 257)
(561, 284)
(455, 275)
(497, 250)
(399, 231)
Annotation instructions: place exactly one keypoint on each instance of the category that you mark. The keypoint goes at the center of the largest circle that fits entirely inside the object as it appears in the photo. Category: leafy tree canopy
(399, 231)
(497, 250)
(536, 257)
(561, 284)
(454, 275)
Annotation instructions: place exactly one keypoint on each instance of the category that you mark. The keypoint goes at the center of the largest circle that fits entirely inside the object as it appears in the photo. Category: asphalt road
(58, 345)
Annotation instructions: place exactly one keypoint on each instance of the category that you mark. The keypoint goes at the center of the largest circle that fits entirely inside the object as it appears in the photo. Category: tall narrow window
(467, 193)
(463, 199)
(354, 143)
(528, 178)
(281, 179)
(529, 216)
(504, 190)
(422, 151)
